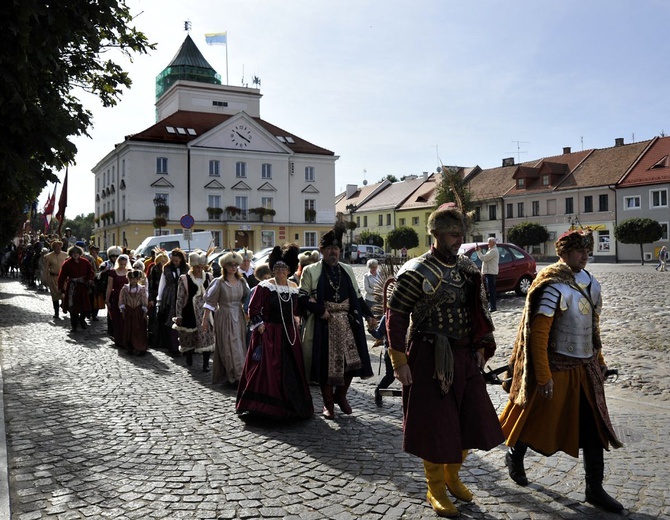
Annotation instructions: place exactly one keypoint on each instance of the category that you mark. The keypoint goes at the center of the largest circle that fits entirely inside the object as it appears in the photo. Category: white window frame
(630, 198)
(310, 175)
(661, 193)
(266, 171)
(213, 201)
(310, 204)
(310, 239)
(267, 202)
(214, 168)
(240, 170)
(241, 202)
(161, 165)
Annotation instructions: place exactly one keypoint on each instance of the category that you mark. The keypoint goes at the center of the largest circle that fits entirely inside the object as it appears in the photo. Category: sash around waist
(454, 342)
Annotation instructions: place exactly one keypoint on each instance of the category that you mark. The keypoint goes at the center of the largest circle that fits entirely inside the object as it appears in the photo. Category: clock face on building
(240, 135)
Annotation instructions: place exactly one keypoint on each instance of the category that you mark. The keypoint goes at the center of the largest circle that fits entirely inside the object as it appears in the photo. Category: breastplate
(572, 330)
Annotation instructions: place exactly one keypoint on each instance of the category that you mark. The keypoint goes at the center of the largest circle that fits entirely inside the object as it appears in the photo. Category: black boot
(73, 324)
(514, 462)
(189, 357)
(56, 309)
(205, 361)
(341, 395)
(378, 397)
(82, 321)
(594, 467)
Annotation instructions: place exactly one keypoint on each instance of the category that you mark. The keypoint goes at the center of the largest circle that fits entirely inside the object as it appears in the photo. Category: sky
(397, 87)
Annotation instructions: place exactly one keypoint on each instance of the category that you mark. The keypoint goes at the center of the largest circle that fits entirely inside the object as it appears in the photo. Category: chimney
(351, 190)
(425, 176)
(508, 161)
(566, 150)
(618, 141)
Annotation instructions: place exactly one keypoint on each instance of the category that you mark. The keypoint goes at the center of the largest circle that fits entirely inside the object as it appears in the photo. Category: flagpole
(227, 58)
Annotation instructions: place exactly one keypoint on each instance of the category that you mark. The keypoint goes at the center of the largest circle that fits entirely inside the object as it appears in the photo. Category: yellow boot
(437, 492)
(454, 484)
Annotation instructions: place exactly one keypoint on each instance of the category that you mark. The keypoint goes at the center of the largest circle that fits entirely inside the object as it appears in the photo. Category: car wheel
(523, 285)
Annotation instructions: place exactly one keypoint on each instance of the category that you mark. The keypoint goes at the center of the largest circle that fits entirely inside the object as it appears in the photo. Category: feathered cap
(114, 251)
(231, 257)
(246, 254)
(572, 240)
(287, 255)
(308, 257)
(197, 257)
(333, 237)
(161, 257)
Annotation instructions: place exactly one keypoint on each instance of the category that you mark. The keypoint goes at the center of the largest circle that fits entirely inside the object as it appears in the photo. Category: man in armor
(440, 336)
(557, 396)
(334, 344)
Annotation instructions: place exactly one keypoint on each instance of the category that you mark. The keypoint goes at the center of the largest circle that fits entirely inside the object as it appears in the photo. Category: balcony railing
(247, 216)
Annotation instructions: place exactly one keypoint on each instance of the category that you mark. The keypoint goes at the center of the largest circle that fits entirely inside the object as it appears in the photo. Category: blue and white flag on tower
(217, 38)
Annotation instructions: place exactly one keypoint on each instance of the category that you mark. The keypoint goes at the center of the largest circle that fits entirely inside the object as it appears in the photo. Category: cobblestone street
(94, 433)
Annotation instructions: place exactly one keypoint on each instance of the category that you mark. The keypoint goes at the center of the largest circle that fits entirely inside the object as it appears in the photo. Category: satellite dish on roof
(365, 182)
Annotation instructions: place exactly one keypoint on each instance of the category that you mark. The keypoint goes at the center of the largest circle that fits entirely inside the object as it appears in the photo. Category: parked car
(517, 269)
(361, 253)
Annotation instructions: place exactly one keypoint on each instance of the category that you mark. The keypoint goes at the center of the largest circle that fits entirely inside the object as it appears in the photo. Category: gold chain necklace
(336, 288)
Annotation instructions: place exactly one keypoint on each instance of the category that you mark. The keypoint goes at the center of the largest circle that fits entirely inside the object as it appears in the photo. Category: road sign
(187, 221)
(188, 234)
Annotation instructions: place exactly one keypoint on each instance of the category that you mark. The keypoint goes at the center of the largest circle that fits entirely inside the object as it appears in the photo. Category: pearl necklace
(281, 311)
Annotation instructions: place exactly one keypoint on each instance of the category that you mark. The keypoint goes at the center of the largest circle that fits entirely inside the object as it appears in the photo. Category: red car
(517, 269)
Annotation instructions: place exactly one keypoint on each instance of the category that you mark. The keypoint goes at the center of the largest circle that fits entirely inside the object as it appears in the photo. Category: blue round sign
(187, 221)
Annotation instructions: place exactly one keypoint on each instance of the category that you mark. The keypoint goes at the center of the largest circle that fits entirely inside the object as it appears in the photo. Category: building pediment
(267, 187)
(162, 182)
(243, 133)
(310, 188)
(214, 185)
(241, 186)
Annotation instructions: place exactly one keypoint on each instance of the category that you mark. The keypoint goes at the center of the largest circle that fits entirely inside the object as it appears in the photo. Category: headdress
(114, 251)
(135, 273)
(93, 247)
(246, 254)
(446, 218)
(332, 237)
(288, 255)
(161, 257)
(229, 258)
(572, 240)
(54, 242)
(308, 257)
(198, 258)
(139, 265)
(75, 249)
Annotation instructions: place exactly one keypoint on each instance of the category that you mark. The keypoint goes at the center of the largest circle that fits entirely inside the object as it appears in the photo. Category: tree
(453, 189)
(373, 239)
(638, 231)
(527, 234)
(47, 53)
(402, 237)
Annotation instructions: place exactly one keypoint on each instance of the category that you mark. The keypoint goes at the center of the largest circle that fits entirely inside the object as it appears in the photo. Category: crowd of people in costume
(273, 331)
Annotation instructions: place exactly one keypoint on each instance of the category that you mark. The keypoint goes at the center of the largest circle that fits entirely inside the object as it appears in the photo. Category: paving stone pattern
(95, 433)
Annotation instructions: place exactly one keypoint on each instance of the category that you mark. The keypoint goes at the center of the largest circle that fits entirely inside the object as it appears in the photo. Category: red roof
(652, 168)
(202, 122)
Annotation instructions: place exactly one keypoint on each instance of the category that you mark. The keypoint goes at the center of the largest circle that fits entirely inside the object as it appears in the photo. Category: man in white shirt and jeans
(490, 270)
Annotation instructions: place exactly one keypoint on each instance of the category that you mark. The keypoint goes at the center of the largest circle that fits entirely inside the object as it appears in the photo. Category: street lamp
(352, 209)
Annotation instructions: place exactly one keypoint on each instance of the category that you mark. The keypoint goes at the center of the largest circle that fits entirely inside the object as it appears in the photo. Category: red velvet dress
(273, 381)
(73, 281)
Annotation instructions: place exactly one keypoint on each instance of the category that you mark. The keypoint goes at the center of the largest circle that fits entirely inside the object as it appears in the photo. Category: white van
(200, 240)
(361, 253)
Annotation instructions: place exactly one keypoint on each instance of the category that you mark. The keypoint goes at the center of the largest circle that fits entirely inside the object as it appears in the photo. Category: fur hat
(308, 257)
(288, 255)
(572, 240)
(198, 258)
(229, 258)
(246, 254)
(75, 249)
(139, 265)
(161, 258)
(114, 251)
(332, 238)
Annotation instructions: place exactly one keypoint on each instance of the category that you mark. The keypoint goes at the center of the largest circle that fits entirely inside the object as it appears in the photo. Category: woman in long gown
(133, 304)
(273, 382)
(117, 278)
(225, 298)
(190, 310)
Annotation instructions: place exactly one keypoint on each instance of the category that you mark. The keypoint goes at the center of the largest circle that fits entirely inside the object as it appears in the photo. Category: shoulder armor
(549, 301)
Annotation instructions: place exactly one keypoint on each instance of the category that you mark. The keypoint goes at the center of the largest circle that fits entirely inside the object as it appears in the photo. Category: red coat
(74, 281)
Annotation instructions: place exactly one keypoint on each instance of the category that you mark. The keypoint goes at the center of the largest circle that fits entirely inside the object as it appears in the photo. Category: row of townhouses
(591, 188)
(212, 157)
